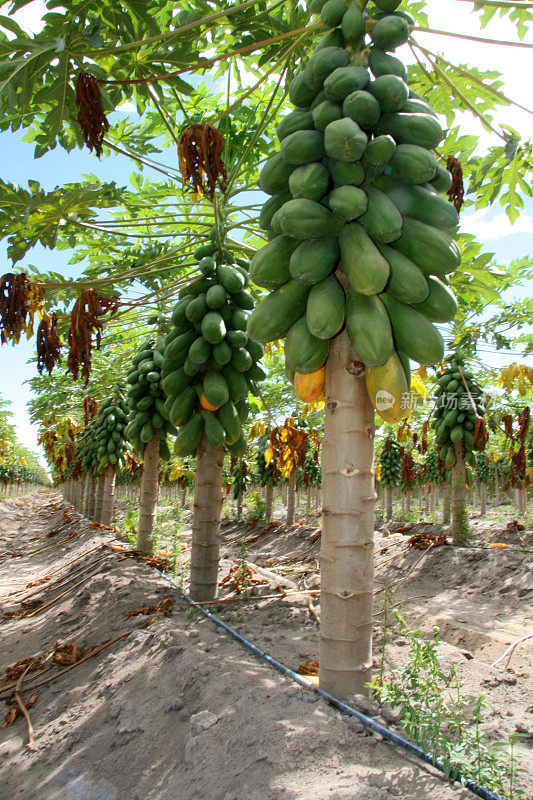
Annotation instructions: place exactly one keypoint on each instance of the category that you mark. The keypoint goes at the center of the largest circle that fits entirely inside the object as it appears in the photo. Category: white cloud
(127, 107)
(488, 228)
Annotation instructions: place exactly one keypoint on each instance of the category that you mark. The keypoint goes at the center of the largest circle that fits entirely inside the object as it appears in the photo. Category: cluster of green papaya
(85, 447)
(239, 478)
(482, 468)
(148, 416)
(359, 235)
(210, 362)
(459, 405)
(435, 471)
(109, 433)
(390, 462)
(310, 473)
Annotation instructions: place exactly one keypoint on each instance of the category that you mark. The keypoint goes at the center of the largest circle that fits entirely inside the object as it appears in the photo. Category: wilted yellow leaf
(516, 376)
(257, 429)
(269, 455)
(418, 385)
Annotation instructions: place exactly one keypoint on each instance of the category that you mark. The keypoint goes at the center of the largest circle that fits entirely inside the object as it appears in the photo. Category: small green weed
(129, 526)
(437, 716)
(242, 570)
(255, 505)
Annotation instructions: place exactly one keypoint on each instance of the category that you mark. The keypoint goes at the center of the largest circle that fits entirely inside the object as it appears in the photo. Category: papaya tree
(210, 365)
(482, 475)
(239, 479)
(357, 252)
(519, 472)
(310, 475)
(391, 471)
(109, 441)
(266, 475)
(460, 429)
(148, 428)
(286, 451)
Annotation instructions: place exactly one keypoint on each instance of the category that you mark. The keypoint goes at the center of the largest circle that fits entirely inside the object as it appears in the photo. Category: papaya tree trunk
(308, 501)
(148, 497)
(99, 497)
(482, 498)
(408, 501)
(108, 500)
(206, 521)
(496, 485)
(347, 546)
(269, 501)
(284, 494)
(184, 496)
(291, 497)
(460, 529)
(389, 497)
(446, 503)
(239, 503)
(89, 497)
(523, 501)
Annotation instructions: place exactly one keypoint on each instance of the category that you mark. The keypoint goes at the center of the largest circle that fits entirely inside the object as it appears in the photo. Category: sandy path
(178, 710)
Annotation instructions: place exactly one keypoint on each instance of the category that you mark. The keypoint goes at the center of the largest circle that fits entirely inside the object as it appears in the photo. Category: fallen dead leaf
(239, 577)
(67, 653)
(29, 664)
(165, 606)
(13, 710)
(422, 541)
(309, 667)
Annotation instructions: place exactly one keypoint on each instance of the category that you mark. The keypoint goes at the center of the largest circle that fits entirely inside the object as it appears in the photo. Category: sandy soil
(177, 710)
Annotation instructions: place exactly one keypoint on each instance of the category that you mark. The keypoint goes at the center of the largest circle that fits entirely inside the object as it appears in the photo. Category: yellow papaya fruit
(310, 387)
(388, 389)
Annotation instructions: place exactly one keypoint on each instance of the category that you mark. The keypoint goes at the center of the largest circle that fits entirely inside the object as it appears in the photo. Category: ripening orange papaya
(310, 387)
(204, 402)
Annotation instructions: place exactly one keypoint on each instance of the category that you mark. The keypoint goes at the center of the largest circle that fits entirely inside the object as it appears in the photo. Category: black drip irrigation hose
(368, 722)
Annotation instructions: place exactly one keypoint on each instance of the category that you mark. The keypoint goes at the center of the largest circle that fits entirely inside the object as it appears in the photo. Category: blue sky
(490, 226)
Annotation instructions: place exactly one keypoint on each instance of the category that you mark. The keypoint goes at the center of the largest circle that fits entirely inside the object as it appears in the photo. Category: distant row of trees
(19, 467)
